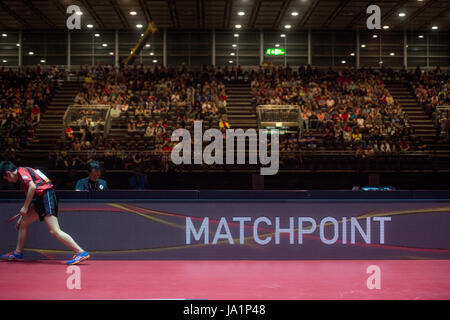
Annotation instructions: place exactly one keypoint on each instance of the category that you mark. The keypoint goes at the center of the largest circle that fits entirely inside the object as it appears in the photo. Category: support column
(309, 47)
(358, 46)
(261, 47)
(165, 48)
(20, 49)
(405, 49)
(285, 51)
(213, 58)
(116, 50)
(69, 52)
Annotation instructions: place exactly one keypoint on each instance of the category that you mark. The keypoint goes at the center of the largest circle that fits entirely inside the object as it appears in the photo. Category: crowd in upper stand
(24, 95)
(348, 109)
(151, 104)
(432, 92)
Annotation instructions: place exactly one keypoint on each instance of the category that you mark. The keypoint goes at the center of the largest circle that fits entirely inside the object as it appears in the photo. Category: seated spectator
(421, 145)
(93, 181)
(223, 124)
(139, 180)
(69, 133)
(35, 115)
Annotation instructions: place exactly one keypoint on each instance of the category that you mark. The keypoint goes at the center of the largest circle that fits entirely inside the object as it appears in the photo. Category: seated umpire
(93, 181)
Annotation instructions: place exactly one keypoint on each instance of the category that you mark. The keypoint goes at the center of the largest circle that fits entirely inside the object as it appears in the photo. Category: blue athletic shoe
(76, 259)
(12, 256)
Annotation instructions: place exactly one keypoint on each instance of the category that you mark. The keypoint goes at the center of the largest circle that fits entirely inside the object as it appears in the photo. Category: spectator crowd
(350, 109)
(24, 95)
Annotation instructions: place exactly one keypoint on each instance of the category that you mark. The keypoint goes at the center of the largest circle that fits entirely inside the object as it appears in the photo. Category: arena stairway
(419, 119)
(50, 128)
(240, 111)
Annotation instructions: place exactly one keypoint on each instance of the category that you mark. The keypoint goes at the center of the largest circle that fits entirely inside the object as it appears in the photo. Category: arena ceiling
(223, 14)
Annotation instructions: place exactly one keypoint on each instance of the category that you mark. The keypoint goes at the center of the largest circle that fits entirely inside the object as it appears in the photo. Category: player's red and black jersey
(46, 202)
(42, 183)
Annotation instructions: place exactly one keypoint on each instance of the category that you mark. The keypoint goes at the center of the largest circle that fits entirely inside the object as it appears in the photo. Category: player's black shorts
(46, 204)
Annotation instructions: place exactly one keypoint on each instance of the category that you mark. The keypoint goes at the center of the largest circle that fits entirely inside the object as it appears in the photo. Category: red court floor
(226, 280)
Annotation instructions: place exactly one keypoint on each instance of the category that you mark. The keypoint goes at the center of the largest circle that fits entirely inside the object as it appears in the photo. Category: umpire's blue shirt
(87, 185)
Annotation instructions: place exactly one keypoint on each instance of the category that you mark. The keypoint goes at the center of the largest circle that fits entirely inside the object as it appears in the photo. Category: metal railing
(280, 116)
(73, 118)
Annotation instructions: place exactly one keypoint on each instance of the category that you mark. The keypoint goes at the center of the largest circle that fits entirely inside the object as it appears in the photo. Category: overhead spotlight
(17, 44)
(343, 62)
(79, 13)
(90, 26)
(363, 46)
(133, 13)
(232, 54)
(238, 26)
(288, 26)
(352, 54)
(5, 61)
(236, 35)
(380, 62)
(4, 35)
(155, 61)
(31, 53)
(234, 45)
(283, 35)
(375, 36)
(421, 36)
(42, 61)
(392, 54)
(147, 45)
(231, 61)
(434, 27)
(152, 53)
(104, 45)
(139, 26)
(241, 13)
(97, 35)
(402, 14)
(277, 45)
(385, 27)
(111, 53)
(294, 14)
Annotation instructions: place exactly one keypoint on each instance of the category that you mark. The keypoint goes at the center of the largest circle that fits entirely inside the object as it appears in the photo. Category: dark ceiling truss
(265, 14)
(254, 14)
(144, 8)
(393, 10)
(39, 13)
(436, 18)
(361, 14)
(60, 7)
(13, 14)
(174, 14)
(281, 13)
(307, 14)
(120, 13)
(201, 13)
(227, 14)
(341, 6)
(93, 14)
(417, 12)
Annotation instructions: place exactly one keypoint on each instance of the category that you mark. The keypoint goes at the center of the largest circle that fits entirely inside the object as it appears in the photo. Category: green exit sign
(275, 52)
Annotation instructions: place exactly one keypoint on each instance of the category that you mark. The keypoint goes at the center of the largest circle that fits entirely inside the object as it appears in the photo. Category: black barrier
(255, 225)
(267, 195)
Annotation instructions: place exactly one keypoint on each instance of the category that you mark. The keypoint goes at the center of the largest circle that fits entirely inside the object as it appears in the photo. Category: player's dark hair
(93, 165)
(6, 166)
